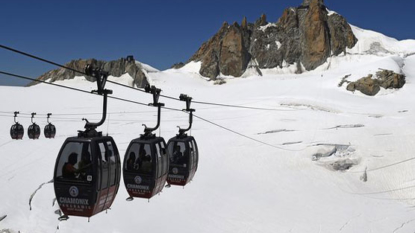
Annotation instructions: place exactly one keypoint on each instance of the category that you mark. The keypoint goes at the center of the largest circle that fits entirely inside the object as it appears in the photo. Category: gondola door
(162, 165)
(194, 158)
(110, 170)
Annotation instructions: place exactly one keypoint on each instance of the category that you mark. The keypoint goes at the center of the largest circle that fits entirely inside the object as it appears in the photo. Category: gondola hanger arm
(33, 115)
(15, 115)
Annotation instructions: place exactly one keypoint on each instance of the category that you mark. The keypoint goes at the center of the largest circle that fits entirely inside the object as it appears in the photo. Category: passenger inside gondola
(179, 156)
(176, 155)
(144, 161)
(85, 167)
(131, 164)
(68, 170)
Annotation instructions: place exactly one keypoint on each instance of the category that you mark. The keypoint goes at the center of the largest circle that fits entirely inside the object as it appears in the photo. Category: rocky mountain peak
(114, 68)
(304, 36)
(244, 23)
(262, 21)
(313, 2)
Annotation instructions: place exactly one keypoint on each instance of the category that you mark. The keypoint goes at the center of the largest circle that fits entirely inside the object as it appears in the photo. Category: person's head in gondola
(68, 169)
(131, 161)
(73, 158)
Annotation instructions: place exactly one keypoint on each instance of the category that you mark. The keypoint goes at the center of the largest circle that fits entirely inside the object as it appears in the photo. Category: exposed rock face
(225, 52)
(385, 78)
(114, 68)
(389, 79)
(366, 85)
(304, 36)
(234, 56)
(342, 36)
(315, 36)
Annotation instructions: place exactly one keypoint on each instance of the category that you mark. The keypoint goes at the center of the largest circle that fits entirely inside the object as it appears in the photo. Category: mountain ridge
(306, 35)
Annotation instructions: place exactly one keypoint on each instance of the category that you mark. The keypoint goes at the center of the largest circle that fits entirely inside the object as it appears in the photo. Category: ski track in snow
(34, 193)
(403, 225)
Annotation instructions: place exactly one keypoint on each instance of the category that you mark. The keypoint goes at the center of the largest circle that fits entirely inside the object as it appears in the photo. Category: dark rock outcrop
(386, 79)
(304, 36)
(389, 79)
(314, 36)
(366, 85)
(115, 68)
(234, 56)
(177, 65)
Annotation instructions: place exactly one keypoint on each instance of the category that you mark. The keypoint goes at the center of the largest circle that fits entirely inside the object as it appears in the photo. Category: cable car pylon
(87, 170)
(17, 130)
(146, 161)
(183, 152)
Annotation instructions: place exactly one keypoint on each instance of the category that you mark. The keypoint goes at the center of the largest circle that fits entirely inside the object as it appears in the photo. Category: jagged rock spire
(304, 36)
(244, 23)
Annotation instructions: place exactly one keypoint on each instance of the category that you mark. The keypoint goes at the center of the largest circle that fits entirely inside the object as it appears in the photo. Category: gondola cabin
(50, 129)
(184, 159)
(145, 167)
(34, 130)
(88, 169)
(17, 130)
(87, 175)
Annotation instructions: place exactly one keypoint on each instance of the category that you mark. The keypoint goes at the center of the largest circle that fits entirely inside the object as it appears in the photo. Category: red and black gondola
(183, 152)
(50, 129)
(184, 159)
(17, 130)
(146, 161)
(88, 169)
(34, 130)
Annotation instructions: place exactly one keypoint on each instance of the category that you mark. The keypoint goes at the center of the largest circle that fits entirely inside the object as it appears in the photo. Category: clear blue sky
(159, 33)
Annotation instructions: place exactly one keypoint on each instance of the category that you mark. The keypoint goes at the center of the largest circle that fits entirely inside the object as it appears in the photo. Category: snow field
(241, 185)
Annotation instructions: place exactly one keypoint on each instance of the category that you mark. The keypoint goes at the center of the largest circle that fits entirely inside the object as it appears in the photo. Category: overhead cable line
(70, 88)
(137, 89)
(245, 136)
(135, 102)
(40, 59)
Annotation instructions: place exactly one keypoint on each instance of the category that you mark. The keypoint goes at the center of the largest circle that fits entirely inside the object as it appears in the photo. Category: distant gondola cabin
(145, 167)
(184, 159)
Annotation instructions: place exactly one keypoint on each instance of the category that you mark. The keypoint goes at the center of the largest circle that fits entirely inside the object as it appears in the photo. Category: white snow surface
(366, 38)
(241, 185)
(145, 67)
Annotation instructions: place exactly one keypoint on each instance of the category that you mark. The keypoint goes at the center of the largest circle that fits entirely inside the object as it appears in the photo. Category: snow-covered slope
(289, 185)
(374, 42)
(145, 67)
(241, 185)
